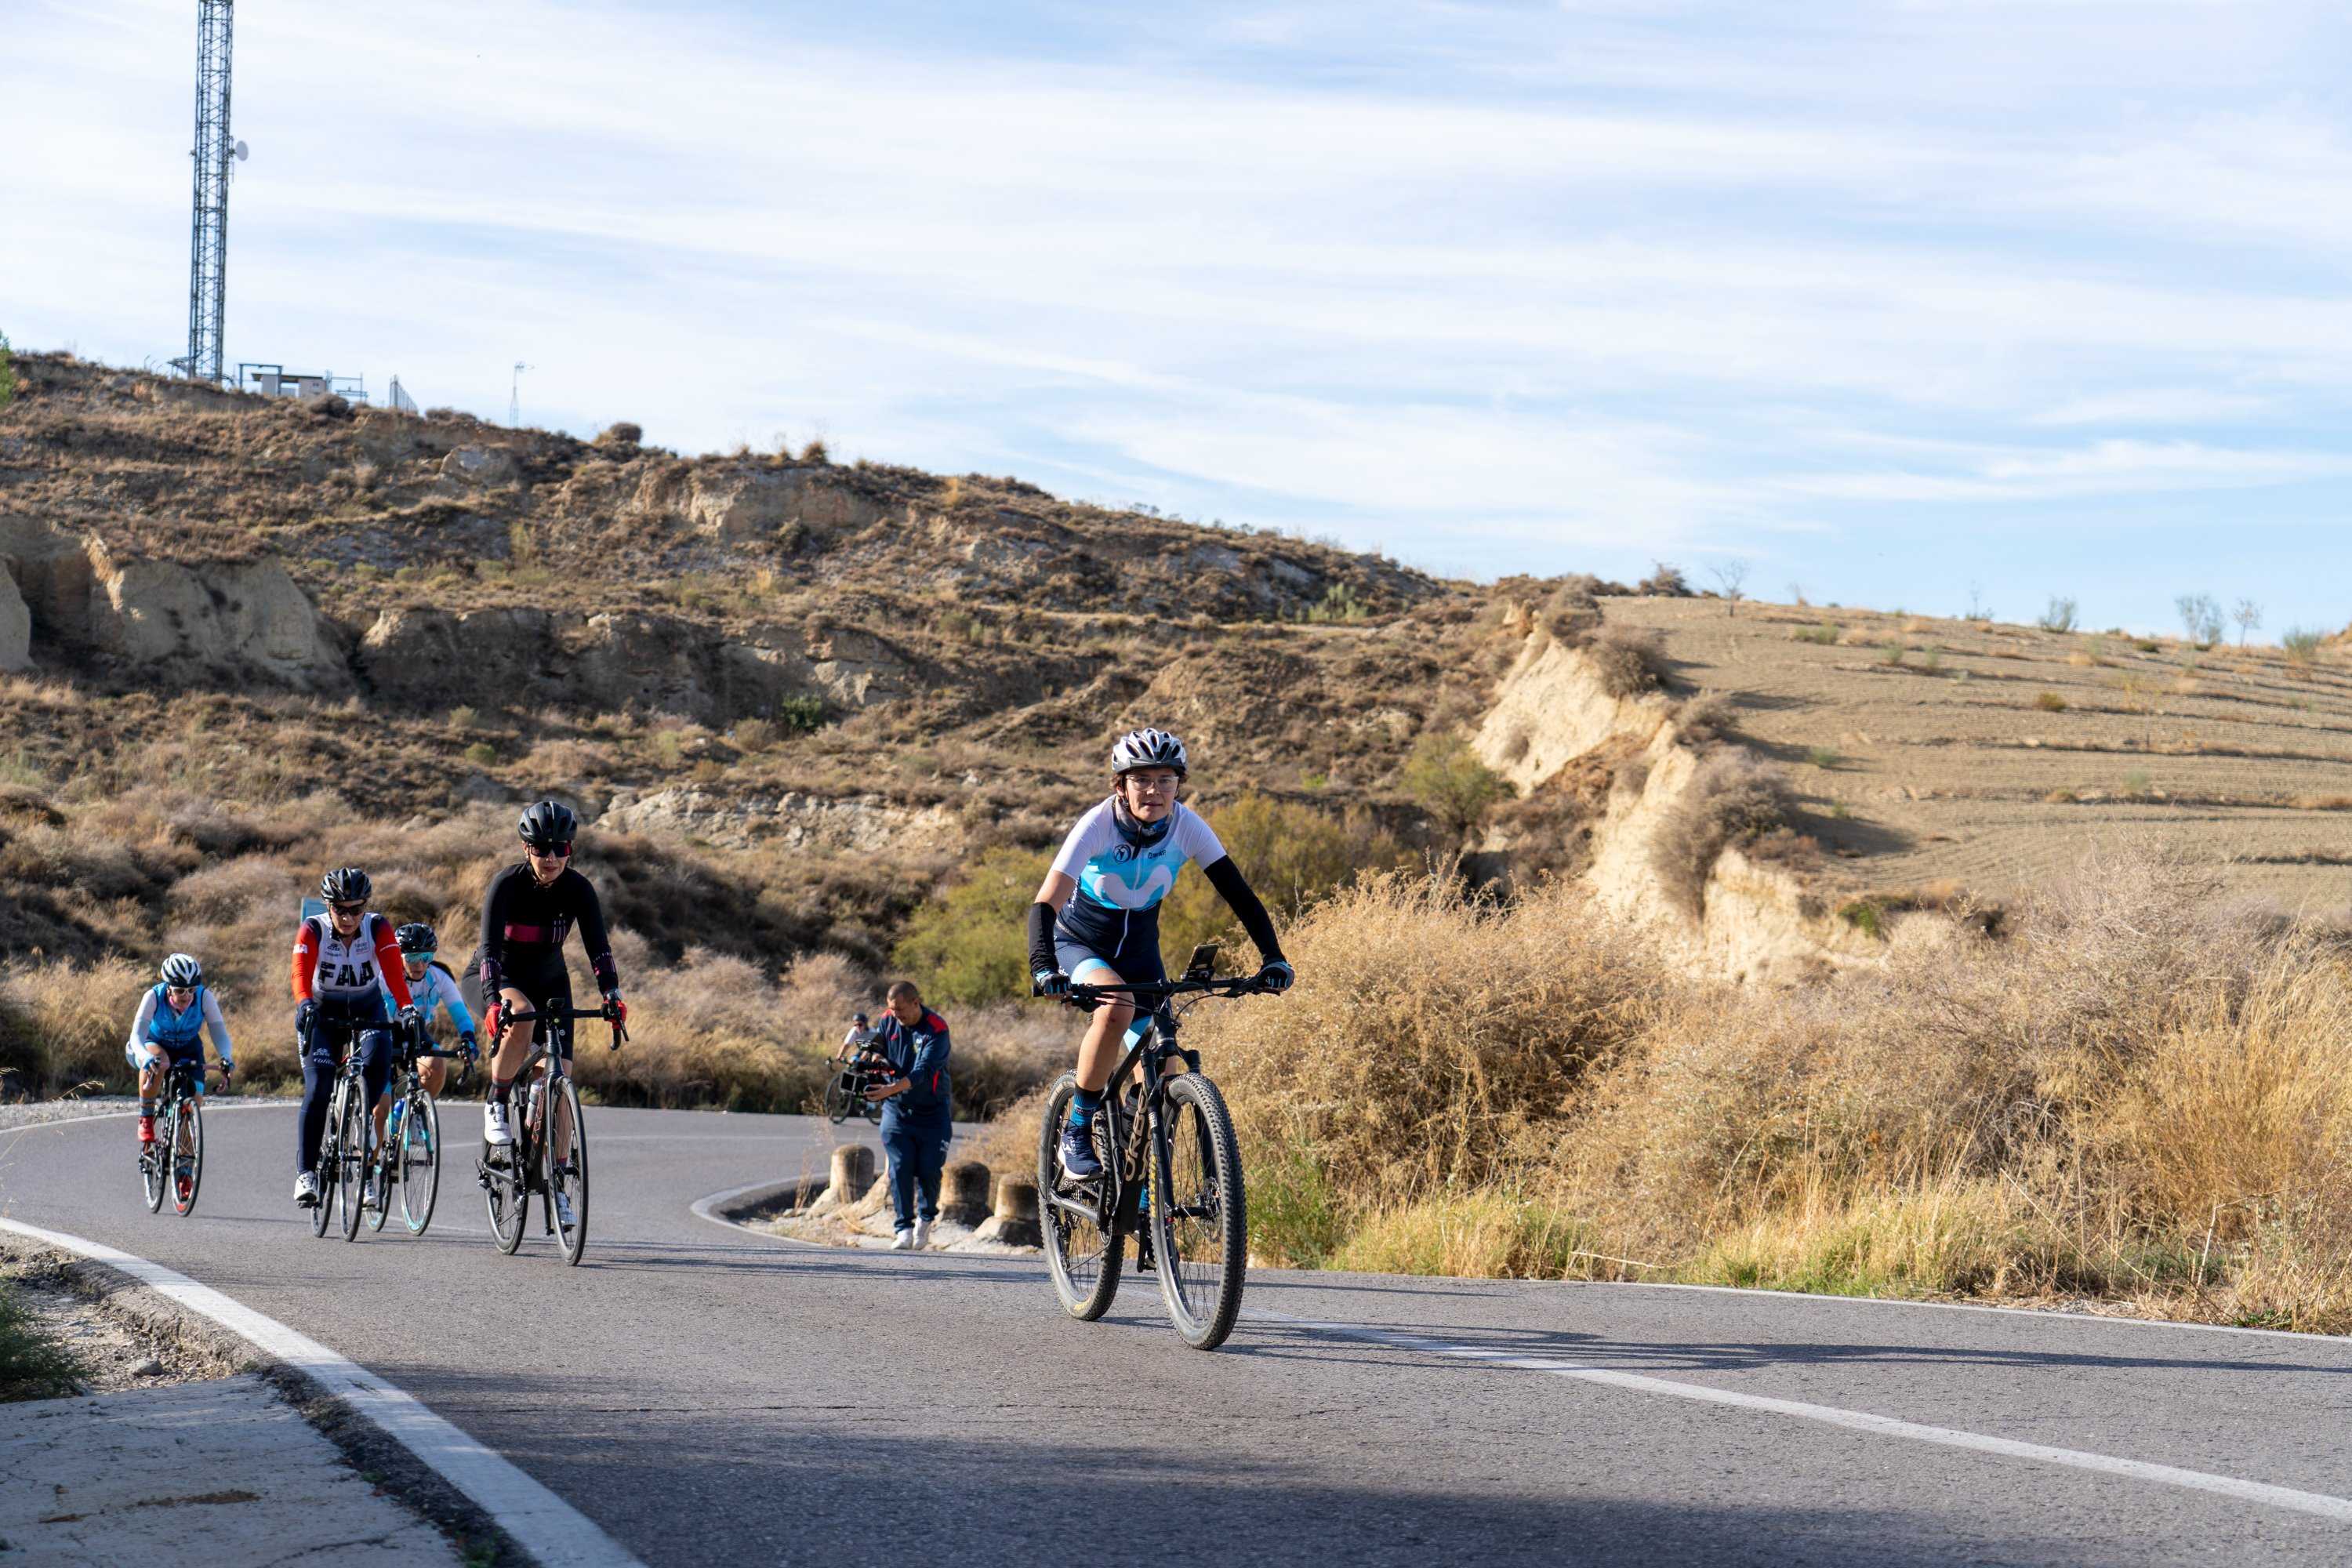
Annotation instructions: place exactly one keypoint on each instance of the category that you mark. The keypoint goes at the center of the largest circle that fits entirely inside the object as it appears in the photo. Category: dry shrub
(63, 1025)
(1631, 659)
(232, 889)
(1731, 799)
(1433, 1044)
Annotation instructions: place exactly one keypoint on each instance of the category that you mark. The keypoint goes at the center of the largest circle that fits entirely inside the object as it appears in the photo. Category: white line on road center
(1860, 1421)
(546, 1526)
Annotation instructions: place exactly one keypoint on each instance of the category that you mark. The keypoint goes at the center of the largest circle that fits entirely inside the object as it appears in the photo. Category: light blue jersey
(1120, 881)
(439, 989)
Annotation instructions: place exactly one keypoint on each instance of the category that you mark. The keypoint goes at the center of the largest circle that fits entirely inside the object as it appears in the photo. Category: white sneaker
(922, 1234)
(903, 1242)
(496, 1133)
(563, 1211)
(306, 1190)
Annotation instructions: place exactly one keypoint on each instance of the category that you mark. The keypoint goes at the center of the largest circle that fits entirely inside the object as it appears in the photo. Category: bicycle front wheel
(187, 1157)
(1199, 1226)
(1084, 1249)
(567, 1178)
(836, 1100)
(351, 1162)
(154, 1165)
(329, 1162)
(420, 1160)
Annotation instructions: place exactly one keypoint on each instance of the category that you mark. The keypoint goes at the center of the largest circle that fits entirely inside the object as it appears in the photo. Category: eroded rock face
(1552, 707)
(792, 818)
(247, 614)
(16, 626)
(53, 576)
(744, 504)
(478, 467)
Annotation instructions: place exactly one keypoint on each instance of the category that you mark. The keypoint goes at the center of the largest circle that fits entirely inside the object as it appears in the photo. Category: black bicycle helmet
(182, 969)
(345, 885)
(417, 937)
(548, 824)
(1147, 748)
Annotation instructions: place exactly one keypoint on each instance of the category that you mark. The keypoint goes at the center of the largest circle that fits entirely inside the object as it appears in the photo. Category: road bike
(179, 1130)
(411, 1159)
(845, 1094)
(549, 1101)
(1172, 1173)
(347, 1149)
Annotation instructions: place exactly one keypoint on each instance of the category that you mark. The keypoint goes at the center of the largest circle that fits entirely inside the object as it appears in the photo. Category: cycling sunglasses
(358, 909)
(551, 851)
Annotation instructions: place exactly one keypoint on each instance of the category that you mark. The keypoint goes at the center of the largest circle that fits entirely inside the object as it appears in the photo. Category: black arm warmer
(1226, 877)
(1041, 939)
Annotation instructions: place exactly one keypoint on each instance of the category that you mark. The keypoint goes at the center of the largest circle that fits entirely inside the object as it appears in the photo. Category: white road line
(708, 1208)
(546, 1526)
(2319, 1503)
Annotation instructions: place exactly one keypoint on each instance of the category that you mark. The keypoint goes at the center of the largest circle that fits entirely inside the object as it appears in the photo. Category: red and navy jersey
(524, 920)
(328, 967)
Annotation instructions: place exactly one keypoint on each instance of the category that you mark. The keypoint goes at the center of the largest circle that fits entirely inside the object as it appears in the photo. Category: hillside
(802, 701)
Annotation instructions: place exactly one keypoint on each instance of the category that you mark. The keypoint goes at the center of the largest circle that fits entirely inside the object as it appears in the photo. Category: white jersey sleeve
(1092, 834)
(215, 1024)
(140, 1019)
(1196, 838)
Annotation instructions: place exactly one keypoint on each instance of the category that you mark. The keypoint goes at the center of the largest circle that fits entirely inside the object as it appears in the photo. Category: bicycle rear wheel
(420, 1160)
(153, 1168)
(1200, 1227)
(836, 1099)
(1082, 1251)
(351, 1162)
(569, 1176)
(187, 1157)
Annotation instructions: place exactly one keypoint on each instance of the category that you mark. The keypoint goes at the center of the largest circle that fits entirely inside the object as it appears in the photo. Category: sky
(1931, 305)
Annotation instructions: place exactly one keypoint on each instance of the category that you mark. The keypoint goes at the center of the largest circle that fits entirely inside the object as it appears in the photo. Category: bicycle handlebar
(574, 1014)
(1162, 990)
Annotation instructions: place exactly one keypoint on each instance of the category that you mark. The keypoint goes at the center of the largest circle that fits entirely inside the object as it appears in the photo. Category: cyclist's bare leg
(432, 1074)
(515, 1042)
(1100, 1052)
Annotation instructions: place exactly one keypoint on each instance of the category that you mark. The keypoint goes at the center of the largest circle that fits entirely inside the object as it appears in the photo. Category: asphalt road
(709, 1398)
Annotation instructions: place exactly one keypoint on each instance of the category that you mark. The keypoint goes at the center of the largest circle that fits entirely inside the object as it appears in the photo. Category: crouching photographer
(917, 1121)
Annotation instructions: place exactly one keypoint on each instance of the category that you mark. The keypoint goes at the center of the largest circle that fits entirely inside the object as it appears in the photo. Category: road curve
(708, 1397)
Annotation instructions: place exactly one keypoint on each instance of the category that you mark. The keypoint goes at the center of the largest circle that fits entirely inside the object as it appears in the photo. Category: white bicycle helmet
(1147, 748)
(182, 969)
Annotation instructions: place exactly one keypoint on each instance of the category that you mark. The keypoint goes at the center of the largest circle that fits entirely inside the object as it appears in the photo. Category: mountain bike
(549, 1102)
(180, 1129)
(1172, 1171)
(410, 1158)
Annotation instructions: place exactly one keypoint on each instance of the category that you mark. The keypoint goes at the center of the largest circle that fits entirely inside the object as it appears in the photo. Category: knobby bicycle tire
(420, 1160)
(1199, 1222)
(190, 1115)
(1084, 1257)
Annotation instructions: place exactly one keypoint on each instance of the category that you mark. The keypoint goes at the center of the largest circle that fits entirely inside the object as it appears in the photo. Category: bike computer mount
(1202, 964)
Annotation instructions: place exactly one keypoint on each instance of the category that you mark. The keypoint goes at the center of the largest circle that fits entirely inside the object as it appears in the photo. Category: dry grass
(1631, 659)
(1732, 800)
(2144, 1095)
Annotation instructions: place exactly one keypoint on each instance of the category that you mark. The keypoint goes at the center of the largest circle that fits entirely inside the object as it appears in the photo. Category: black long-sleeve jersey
(524, 923)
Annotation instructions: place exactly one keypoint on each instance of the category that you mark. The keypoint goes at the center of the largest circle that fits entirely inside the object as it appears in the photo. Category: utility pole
(514, 397)
(208, 229)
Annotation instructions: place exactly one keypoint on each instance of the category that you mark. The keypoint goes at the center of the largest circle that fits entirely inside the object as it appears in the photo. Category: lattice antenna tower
(208, 229)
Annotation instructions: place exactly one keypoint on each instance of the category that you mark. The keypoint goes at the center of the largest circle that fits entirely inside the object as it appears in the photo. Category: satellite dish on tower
(240, 151)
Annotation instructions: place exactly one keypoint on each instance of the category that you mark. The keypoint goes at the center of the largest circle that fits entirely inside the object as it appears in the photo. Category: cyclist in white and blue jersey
(433, 986)
(1096, 918)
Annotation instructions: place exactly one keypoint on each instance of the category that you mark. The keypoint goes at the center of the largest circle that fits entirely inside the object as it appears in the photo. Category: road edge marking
(707, 1207)
(551, 1529)
(2321, 1503)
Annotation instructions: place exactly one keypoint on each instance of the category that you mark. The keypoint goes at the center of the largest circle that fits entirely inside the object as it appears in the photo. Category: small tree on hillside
(1731, 577)
(2249, 616)
(2200, 617)
(8, 372)
(1446, 778)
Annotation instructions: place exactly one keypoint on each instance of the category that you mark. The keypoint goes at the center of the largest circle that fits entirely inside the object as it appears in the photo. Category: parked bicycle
(550, 1117)
(845, 1092)
(411, 1157)
(1172, 1171)
(174, 1163)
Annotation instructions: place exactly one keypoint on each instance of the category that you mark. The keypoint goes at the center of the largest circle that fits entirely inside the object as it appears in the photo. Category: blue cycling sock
(146, 1108)
(1082, 1106)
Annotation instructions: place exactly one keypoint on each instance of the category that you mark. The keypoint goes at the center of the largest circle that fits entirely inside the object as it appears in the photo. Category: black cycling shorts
(546, 984)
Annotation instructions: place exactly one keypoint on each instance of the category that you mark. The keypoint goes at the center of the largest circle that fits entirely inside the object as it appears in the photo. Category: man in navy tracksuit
(916, 1119)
